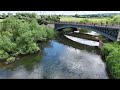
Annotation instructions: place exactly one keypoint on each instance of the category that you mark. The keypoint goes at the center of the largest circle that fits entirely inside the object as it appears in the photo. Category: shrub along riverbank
(21, 36)
(111, 53)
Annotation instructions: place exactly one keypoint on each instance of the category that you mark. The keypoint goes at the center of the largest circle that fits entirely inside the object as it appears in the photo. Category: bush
(116, 19)
(3, 55)
(50, 33)
(113, 63)
(107, 48)
(20, 36)
(10, 60)
(111, 51)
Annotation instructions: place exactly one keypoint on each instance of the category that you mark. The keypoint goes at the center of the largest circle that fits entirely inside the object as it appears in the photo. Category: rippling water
(57, 61)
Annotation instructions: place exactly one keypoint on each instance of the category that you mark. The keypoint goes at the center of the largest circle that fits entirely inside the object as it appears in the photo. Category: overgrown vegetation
(84, 30)
(111, 52)
(45, 19)
(41, 19)
(103, 20)
(20, 36)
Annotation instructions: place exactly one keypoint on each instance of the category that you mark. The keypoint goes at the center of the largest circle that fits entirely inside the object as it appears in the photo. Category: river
(58, 59)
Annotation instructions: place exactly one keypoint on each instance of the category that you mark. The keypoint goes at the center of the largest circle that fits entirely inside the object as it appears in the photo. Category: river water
(58, 59)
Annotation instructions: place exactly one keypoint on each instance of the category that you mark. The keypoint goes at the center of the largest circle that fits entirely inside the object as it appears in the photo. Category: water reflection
(57, 61)
(73, 63)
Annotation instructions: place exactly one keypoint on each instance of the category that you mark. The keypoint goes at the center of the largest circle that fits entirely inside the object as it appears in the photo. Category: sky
(61, 12)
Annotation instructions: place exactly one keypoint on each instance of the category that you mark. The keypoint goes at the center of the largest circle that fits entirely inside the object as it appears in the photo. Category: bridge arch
(111, 33)
(73, 28)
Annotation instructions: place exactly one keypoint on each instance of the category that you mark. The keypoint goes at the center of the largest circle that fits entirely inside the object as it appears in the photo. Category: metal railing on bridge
(92, 24)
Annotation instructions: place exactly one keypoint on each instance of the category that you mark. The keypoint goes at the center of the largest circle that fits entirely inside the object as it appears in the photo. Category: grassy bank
(20, 37)
(111, 53)
(88, 20)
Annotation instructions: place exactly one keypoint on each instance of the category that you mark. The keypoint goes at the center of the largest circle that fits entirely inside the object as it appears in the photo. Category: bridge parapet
(91, 24)
(109, 31)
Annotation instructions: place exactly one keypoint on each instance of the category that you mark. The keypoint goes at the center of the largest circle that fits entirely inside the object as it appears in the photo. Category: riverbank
(111, 54)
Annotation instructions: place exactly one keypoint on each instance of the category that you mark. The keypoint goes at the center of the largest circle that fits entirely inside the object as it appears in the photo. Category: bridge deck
(86, 24)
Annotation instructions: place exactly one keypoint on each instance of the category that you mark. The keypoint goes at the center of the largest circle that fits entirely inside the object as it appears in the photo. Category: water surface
(57, 60)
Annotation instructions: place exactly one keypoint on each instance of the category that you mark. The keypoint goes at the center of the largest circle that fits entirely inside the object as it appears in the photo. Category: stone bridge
(110, 31)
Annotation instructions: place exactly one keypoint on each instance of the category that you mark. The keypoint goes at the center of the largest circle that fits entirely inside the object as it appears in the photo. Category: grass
(91, 20)
(111, 52)
(70, 19)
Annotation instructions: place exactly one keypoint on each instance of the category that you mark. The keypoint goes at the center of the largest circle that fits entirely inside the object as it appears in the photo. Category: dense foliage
(45, 19)
(111, 51)
(95, 15)
(41, 19)
(20, 36)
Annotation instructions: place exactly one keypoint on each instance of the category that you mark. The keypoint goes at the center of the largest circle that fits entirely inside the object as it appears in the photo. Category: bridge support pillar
(118, 38)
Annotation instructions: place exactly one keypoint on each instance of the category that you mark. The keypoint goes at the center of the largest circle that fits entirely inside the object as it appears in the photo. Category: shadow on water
(27, 61)
(71, 43)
